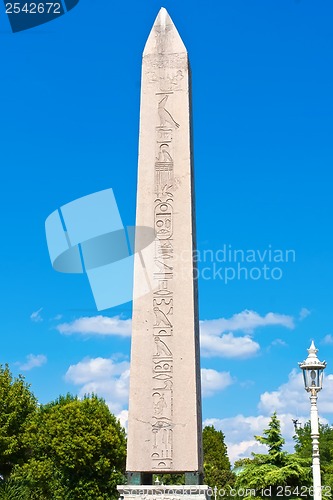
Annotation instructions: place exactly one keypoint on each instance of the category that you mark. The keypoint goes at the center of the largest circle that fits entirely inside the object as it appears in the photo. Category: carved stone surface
(164, 430)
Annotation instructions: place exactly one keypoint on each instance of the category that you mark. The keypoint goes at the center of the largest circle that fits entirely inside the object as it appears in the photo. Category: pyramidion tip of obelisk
(164, 37)
(163, 17)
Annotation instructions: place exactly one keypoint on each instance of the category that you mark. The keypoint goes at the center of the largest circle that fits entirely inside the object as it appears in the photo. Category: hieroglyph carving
(162, 422)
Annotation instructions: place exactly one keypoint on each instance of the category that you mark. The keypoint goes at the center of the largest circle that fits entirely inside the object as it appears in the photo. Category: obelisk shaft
(164, 430)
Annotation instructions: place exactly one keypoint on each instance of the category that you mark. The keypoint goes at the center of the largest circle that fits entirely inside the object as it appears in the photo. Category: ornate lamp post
(313, 380)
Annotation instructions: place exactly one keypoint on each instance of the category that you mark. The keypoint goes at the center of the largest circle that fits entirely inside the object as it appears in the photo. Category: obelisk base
(165, 492)
(142, 478)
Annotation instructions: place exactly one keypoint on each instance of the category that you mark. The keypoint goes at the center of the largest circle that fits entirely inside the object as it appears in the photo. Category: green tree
(17, 406)
(274, 441)
(303, 448)
(275, 469)
(10, 490)
(169, 479)
(78, 451)
(217, 467)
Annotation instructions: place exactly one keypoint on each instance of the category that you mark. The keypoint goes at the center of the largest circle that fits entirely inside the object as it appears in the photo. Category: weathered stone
(164, 429)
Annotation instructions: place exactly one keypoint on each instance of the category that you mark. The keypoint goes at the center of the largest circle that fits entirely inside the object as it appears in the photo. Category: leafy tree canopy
(78, 451)
(217, 468)
(17, 405)
(303, 448)
(274, 441)
(274, 469)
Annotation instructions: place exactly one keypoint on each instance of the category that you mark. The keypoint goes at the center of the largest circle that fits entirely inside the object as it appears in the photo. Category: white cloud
(246, 321)
(33, 361)
(325, 399)
(104, 377)
(110, 380)
(213, 381)
(123, 418)
(292, 396)
(217, 336)
(289, 400)
(304, 313)
(239, 434)
(228, 346)
(279, 342)
(239, 426)
(36, 316)
(98, 325)
(244, 449)
(328, 340)
(240, 430)
(95, 369)
(247, 383)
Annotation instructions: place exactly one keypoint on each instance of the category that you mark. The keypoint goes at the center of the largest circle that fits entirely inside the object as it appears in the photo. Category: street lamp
(297, 424)
(313, 381)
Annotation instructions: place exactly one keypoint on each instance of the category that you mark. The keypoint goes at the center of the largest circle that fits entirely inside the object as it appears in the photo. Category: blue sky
(262, 113)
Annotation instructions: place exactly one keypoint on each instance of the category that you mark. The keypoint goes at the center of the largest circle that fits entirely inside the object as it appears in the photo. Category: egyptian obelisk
(164, 428)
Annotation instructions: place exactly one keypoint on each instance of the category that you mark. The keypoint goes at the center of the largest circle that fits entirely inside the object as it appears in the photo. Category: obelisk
(164, 428)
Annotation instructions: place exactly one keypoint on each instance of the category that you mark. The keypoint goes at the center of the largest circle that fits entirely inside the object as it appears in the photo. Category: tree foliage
(169, 479)
(303, 448)
(274, 441)
(78, 451)
(17, 405)
(12, 490)
(217, 470)
(274, 469)
(217, 467)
